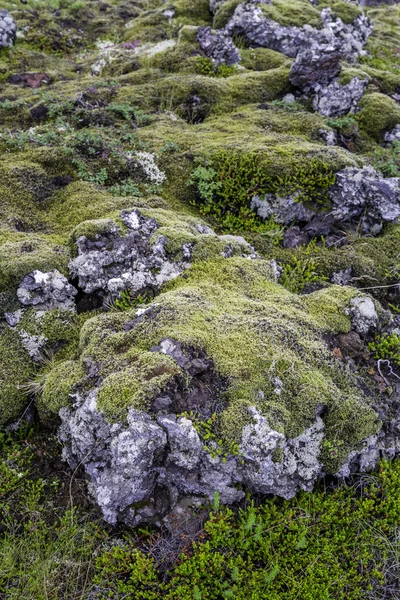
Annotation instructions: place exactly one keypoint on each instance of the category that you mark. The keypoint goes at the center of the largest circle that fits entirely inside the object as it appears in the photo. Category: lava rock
(218, 46)
(312, 66)
(8, 29)
(46, 291)
(365, 195)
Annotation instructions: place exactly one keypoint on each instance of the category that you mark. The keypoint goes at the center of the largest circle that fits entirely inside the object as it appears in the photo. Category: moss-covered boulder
(225, 379)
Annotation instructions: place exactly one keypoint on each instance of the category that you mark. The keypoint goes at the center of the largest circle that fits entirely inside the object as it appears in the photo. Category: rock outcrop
(8, 29)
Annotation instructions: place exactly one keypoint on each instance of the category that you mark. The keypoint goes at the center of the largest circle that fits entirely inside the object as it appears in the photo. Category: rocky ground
(199, 244)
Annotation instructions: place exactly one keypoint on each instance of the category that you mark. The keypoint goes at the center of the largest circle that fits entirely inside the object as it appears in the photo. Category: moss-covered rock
(378, 114)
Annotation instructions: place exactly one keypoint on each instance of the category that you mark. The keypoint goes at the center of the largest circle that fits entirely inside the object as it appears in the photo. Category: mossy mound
(378, 114)
(255, 332)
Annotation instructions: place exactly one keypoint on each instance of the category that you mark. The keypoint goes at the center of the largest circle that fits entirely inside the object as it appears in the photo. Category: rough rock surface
(335, 99)
(312, 66)
(142, 465)
(241, 371)
(111, 262)
(46, 291)
(218, 46)
(363, 194)
(284, 209)
(8, 29)
(349, 40)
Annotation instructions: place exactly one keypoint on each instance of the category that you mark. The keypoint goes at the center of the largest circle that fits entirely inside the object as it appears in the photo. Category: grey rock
(46, 291)
(285, 209)
(329, 137)
(8, 29)
(299, 466)
(363, 194)
(348, 39)
(295, 237)
(312, 66)
(392, 136)
(133, 463)
(137, 260)
(342, 277)
(335, 99)
(13, 318)
(112, 262)
(364, 317)
(121, 461)
(33, 344)
(218, 46)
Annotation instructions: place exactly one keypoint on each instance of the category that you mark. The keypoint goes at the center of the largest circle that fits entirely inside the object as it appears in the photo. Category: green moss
(15, 369)
(192, 13)
(254, 330)
(378, 114)
(346, 11)
(26, 253)
(294, 13)
(263, 59)
(59, 386)
(224, 13)
(137, 385)
(328, 307)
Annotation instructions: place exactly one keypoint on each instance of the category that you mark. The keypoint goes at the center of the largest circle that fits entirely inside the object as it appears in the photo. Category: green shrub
(386, 347)
(227, 184)
(337, 545)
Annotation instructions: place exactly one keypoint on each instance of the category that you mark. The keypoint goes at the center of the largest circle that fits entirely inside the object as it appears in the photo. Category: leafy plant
(226, 185)
(128, 299)
(127, 187)
(386, 347)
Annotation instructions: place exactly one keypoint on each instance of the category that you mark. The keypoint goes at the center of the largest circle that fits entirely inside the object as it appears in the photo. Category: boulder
(8, 29)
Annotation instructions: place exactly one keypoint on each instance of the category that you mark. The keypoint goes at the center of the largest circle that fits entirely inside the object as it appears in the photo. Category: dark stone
(295, 237)
(32, 80)
(311, 67)
(39, 112)
(351, 345)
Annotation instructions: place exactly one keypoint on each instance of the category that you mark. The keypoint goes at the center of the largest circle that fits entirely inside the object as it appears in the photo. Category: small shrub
(128, 299)
(226, 185)
(386, 347)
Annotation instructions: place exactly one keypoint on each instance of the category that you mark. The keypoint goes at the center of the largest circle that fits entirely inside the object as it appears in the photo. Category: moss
(26, 253)
(294, 13)
(254, 331)
(59, 386)
(346, 11)
(328, 307)
(262, 59)
(224, 13)
(15, 369)
(378, 114)
(192, 13)
(137, 385)
(60, 328)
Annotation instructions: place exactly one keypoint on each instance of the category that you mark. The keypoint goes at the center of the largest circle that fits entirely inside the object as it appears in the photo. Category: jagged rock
(349, 40)
(8, 29)
(218, 46)
(138, 261)
(46, 291)
(295, 237)
(364, 195)
(312, 66)
(342, 277)
(330, 137)
(363, 315)
(299, 464)
(285, 210)
(393, 135)
(138, 418)
(335, 99)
